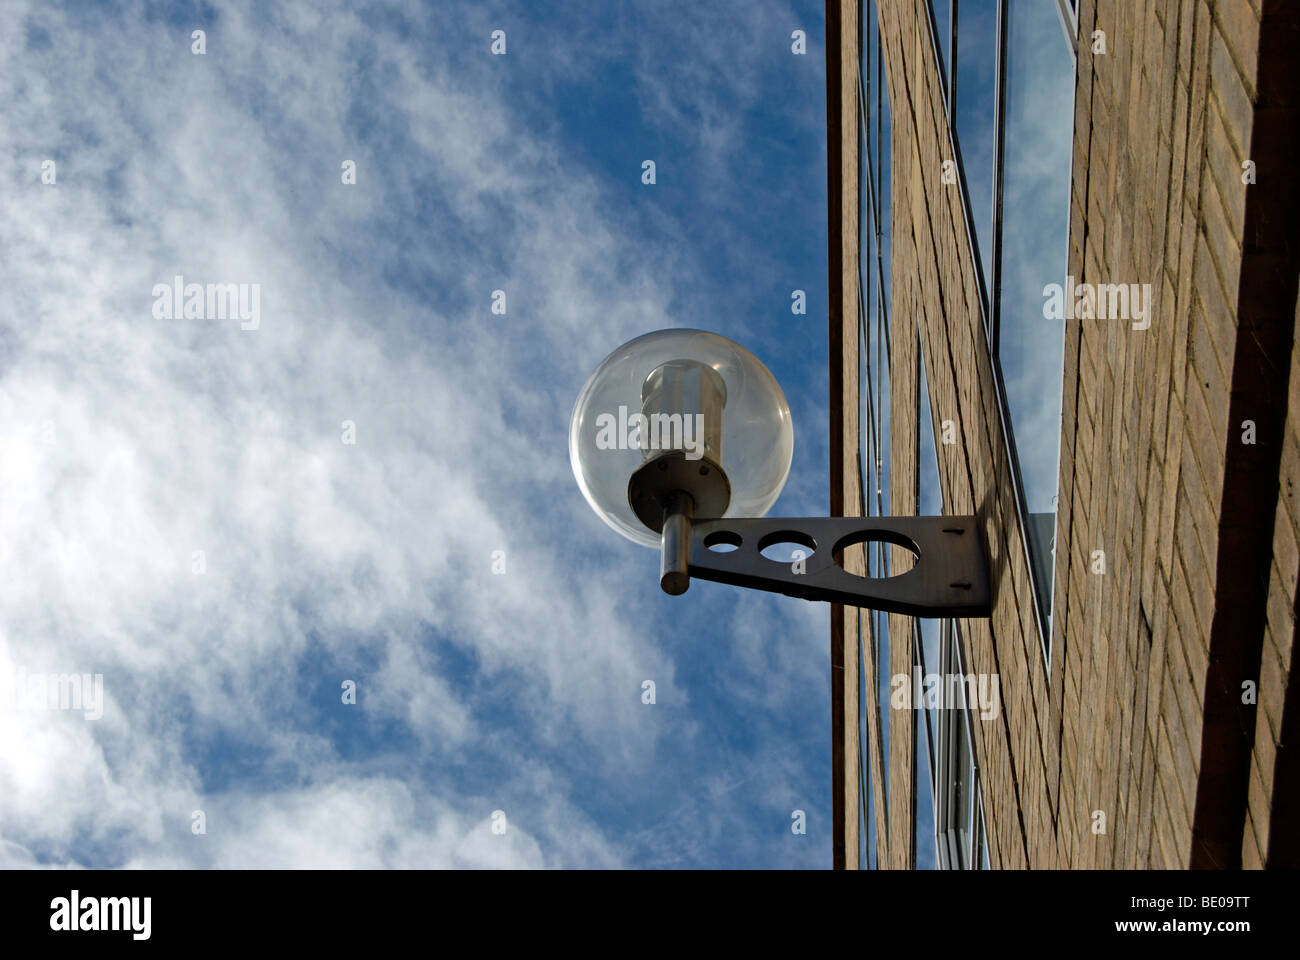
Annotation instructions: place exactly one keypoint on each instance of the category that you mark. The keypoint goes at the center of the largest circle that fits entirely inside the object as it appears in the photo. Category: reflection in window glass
(941, 14)
(929, 504)
(963, 759)
(875, 392)
(866, 835)
(977, 45)
(984, 839)
(963, 782)
(1039, 124)
(959, 816)
(878, 566)
(874, 388)
(923, 795)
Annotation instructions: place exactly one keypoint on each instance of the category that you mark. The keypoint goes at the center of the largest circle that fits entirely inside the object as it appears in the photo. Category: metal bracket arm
(948, 579)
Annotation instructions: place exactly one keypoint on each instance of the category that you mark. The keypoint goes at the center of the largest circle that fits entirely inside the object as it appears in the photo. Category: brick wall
(934, 284)
(1139, 715)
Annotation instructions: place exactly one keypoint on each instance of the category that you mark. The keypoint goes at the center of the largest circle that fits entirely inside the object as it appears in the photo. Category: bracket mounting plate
(948, 579)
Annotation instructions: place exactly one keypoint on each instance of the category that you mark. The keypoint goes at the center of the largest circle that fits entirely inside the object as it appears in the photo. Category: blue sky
(132, 442)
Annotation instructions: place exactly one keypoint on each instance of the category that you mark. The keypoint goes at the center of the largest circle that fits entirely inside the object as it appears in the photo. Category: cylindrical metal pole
(676, 543)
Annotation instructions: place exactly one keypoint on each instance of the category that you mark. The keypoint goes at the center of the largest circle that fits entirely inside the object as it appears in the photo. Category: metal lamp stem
(675, 540)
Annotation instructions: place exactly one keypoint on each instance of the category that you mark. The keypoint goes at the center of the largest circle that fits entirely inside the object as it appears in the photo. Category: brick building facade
(1126, 735)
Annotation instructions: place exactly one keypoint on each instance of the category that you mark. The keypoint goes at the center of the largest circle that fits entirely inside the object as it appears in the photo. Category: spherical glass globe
(680, 409)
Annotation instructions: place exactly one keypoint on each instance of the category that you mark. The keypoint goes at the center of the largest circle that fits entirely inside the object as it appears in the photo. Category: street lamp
(681, 440)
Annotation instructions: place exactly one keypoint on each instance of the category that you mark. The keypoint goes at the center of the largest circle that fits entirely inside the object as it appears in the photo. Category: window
(926, 638)
(959, 808)
(941, 13)
(956, 816)
(873, 371)
(1008, 71)
(973, 115)
(1011, 125)
(1034, 245)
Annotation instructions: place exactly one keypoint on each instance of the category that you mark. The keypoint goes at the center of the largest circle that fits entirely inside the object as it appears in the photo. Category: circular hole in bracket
(901, 556)
(723, 541)
(781, 545)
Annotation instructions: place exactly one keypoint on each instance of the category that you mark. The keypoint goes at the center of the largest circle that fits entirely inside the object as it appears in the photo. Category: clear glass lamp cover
(753, 444)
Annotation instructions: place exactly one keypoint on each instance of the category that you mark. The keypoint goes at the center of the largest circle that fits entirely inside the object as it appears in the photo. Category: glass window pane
(941, 15)
(1039, 124)
(923, 811)
(874, 360)
(867, 833)
(878, 558)
(929, 503)
(874, 254)
(965, 777)
(984, 836)
(977, 44)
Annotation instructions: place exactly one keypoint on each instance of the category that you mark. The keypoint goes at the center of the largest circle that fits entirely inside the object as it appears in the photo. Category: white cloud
(176, 436)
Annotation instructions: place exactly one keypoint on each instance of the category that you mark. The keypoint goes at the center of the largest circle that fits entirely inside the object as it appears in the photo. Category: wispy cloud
(139, 450)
